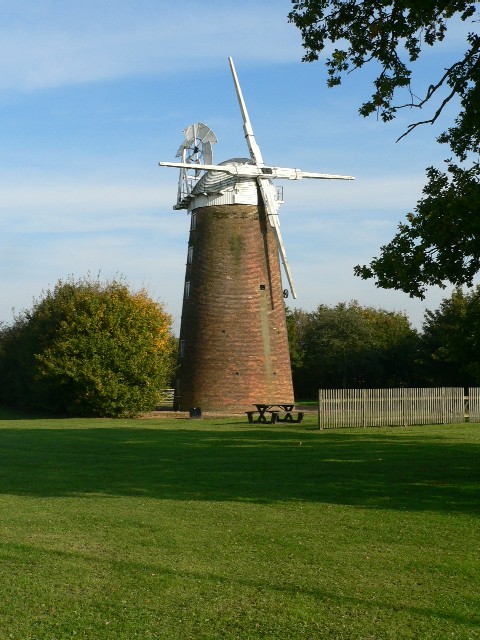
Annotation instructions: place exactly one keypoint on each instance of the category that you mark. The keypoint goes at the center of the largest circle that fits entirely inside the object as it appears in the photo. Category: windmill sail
(253, 171)
(264, 182)
(253, 147)
(196, 155)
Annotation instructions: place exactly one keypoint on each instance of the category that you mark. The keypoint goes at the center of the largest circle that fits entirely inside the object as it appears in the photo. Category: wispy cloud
(333, 282)
(376, 193)
(82, 195)
(77, 207)
(99, 40)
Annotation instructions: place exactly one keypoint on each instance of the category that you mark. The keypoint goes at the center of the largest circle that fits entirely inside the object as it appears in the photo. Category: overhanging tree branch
(441, 241)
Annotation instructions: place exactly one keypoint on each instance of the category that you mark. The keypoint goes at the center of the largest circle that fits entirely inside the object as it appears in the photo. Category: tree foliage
(350, 346)
(451, 341)
(87, 348)
(441, 241)
(393, 34)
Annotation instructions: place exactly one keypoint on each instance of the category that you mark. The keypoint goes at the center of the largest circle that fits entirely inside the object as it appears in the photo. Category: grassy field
(200, 529)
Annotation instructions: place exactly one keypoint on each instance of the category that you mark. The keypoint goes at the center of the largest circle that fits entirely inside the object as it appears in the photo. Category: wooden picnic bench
(274, 410)
(261, 417)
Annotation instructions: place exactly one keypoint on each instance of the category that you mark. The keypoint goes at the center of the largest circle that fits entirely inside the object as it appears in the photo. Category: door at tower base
(233, 336)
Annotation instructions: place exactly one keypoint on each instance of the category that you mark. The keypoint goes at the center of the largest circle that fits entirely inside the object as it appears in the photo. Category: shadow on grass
(213, 581)
(15, 414)
(402, 470)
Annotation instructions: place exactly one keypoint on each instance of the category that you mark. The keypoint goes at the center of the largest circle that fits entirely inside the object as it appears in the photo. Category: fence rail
(166, 397)
(390, 407)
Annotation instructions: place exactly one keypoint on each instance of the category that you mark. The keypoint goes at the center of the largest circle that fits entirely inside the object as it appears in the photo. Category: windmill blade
(201, 131)
(271, 208)
(300, 175)
(200, 135)
(255, 153)
(254, 171)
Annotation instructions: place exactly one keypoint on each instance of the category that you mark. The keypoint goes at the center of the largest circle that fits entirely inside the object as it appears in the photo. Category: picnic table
(274, 410)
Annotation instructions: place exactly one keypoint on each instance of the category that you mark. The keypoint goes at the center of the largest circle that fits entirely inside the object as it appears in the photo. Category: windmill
(233, 339)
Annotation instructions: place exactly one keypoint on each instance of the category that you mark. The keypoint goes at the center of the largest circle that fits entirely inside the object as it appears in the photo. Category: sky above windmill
(94, 93)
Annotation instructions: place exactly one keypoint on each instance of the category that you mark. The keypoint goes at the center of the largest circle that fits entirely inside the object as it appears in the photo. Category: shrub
(88, 348)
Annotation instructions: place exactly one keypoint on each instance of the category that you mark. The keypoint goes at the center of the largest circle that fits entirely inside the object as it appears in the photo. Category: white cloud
(81, 194)
(60, 43)
(57, 206)
(152, 257)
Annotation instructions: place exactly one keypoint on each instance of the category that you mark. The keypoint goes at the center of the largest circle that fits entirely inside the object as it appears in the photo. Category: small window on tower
(193, 222)
(187, 289)
(182, 348)
(190, 254)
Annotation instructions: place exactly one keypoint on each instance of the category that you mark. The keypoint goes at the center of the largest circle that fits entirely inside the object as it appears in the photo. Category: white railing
(390, 407)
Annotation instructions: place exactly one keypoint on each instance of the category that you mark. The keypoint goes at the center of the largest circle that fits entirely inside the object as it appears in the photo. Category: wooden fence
(473, 404)
(389, 407)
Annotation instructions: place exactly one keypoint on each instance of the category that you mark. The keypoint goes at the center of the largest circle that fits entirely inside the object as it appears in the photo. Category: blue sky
(94, 93)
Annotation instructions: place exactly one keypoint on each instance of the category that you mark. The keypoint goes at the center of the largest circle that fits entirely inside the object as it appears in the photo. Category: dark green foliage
(87, 348)
(392, 34)
(451, 341)
(350, 346)
(440, 241)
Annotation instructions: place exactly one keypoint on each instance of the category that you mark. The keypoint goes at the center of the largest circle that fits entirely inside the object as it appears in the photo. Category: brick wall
(234, 347)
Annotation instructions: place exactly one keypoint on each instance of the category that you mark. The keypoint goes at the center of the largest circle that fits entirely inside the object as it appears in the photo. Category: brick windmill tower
(233, 337)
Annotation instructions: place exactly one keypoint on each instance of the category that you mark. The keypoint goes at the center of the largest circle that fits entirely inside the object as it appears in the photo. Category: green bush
(87, 348)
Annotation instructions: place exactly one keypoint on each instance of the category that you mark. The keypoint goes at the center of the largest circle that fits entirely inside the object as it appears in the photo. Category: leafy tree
(440, 241)
(451, 341)
(350, 346)
(87, 348)
(298, 322)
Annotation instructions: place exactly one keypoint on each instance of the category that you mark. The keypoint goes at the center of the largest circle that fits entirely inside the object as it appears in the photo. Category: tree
(87, 348)
(451, 341)
(350, 346)
(440, 241)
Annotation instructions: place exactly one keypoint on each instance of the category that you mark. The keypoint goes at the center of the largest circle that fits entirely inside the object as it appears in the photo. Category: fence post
(319, 402)
(364, 402)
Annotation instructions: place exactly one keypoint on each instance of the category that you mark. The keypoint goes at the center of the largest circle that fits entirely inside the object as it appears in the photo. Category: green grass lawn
(200, 529)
